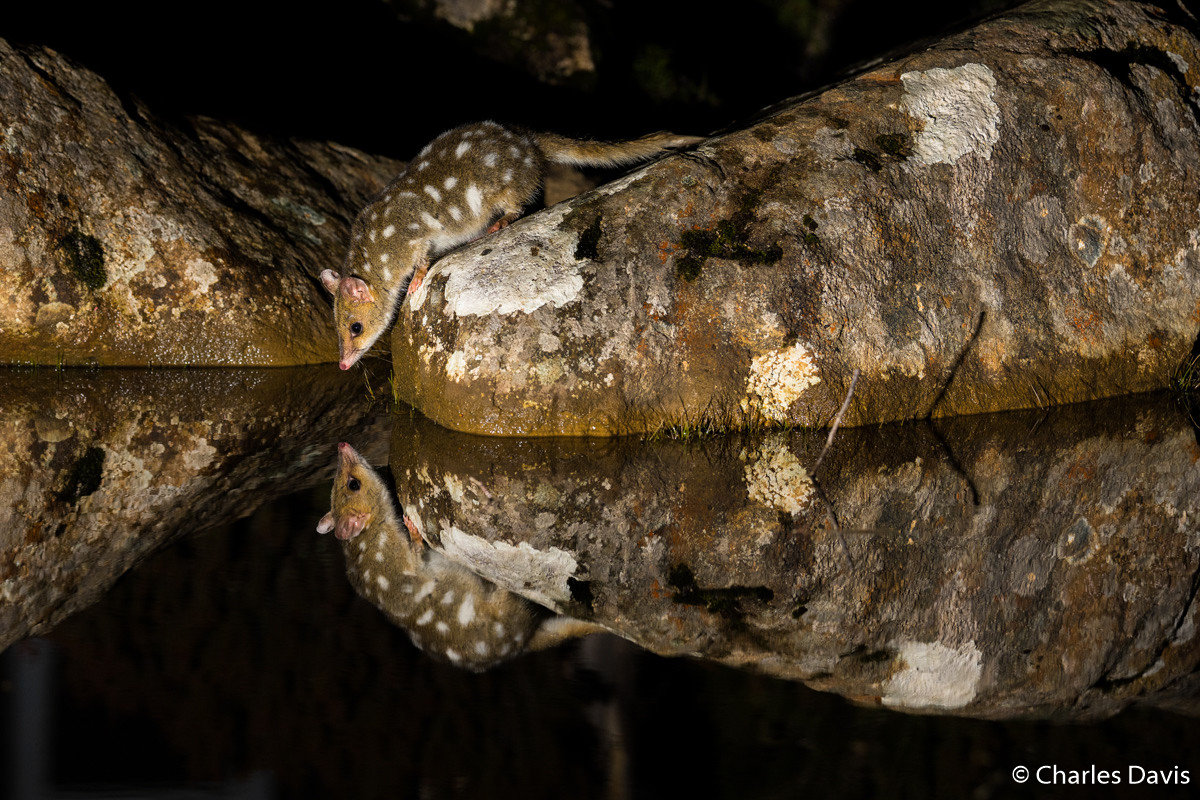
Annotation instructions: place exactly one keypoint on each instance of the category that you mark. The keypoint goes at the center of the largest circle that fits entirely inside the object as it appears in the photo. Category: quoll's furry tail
(610, 154)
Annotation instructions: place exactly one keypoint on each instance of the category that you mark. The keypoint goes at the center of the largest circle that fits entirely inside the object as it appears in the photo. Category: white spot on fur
(371, 235)
(428, 219)
(426, 589)
(481, 649)
(422, 165)
(490, 160)
(383, 582)
(389, 231)
(442, 627)
(453, 654)
(507, 176)
(933, 675)
(777, 378)
(448, 598)
(957, 109)
(450, 182)
(466, 611)
(462, 148)
(475, 199)
(434, 193)
(456, 213)
(425, 618)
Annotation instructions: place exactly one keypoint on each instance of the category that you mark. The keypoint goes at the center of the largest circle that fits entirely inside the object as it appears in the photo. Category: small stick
(837, 421)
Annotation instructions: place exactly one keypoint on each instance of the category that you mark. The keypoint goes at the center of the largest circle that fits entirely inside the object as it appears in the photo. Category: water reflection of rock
(1041, 564)
(100, 468)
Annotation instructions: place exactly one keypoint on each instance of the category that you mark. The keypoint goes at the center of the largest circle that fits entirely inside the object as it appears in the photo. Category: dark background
(355, 72)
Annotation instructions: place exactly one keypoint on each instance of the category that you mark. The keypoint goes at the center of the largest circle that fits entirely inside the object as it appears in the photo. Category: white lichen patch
(199, 455)
(775, 477)
(777, 378)
(202, 273)
(540, 576)
(521, 273)
(933, 675)
(958, 111)
(456, 366)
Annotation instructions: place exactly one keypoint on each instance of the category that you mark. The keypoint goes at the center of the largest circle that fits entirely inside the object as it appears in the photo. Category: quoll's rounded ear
(330, 279)
(357, 290)
(326, 524)
(351, 525)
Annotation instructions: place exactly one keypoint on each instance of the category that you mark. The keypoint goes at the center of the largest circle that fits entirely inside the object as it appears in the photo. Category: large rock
(1007, 219)
(128, 241)
(1022, 564)
(98, 468)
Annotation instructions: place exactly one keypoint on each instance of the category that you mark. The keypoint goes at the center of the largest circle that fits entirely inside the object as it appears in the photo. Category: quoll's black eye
(355, 328)
(353, 485)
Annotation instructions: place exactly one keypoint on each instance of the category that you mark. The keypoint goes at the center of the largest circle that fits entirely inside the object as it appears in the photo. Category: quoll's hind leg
(418, 274)
(504, 221)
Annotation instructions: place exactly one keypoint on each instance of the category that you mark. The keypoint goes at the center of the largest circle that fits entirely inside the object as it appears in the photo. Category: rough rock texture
(1020, 564)
(100, 468)
(1007, 219)
(548, 39)
(128, 241)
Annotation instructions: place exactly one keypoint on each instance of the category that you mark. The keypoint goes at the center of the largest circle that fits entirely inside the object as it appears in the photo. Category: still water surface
(176, 627)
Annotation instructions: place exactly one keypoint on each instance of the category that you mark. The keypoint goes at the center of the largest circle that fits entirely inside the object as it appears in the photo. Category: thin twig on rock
(837, 421)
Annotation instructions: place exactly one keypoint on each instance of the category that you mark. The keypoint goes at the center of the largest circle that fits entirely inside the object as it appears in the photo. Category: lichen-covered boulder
(1006, 219)
(128, 241)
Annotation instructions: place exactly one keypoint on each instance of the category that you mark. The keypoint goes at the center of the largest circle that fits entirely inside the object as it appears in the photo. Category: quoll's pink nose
(344, 364)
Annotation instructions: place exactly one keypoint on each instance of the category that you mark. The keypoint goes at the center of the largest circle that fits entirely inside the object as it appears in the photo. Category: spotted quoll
(448, 611)
(467, 182)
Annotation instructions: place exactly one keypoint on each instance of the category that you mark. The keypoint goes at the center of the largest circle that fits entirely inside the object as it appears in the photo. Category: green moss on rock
(85, 257)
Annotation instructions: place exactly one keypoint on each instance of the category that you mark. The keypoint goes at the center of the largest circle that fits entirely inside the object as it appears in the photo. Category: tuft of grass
(1185, 383)
(713, 421)
(1186, 380)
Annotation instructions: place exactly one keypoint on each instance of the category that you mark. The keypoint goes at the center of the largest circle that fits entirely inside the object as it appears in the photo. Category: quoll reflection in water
(448, 611)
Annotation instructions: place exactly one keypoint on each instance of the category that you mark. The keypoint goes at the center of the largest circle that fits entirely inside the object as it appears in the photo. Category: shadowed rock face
(100, 468)
(127, 241)
(1021, 564)
(1005, 220)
